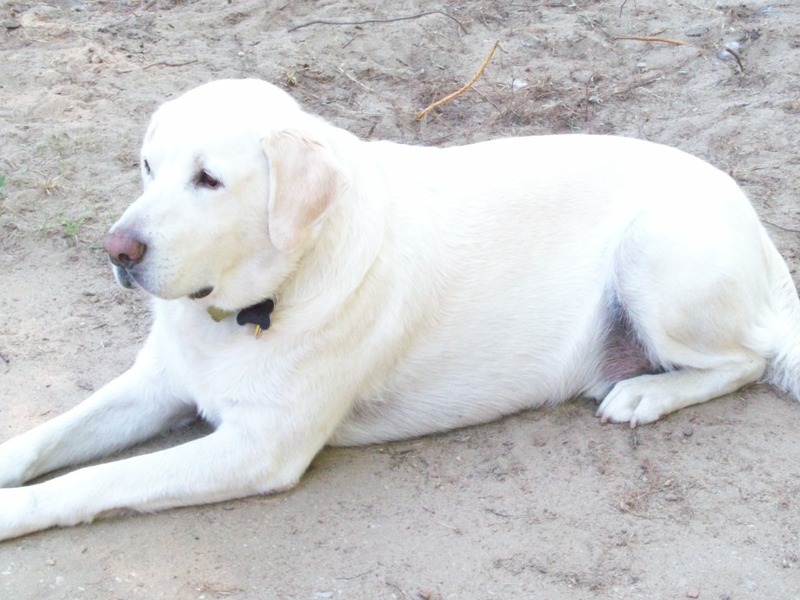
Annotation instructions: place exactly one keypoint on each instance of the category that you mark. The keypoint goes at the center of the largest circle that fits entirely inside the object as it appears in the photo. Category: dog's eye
(207, 180)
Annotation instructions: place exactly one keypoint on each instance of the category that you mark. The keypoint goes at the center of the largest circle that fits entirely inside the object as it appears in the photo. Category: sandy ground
(546, 505)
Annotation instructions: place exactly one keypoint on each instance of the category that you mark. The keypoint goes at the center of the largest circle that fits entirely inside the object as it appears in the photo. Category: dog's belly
(450, 400)
(455, 381)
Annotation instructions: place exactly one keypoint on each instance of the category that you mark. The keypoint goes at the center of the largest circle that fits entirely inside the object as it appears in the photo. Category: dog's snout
(124, 248)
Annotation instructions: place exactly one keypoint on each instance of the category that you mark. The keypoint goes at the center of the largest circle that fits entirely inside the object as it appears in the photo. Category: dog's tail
(784, 368)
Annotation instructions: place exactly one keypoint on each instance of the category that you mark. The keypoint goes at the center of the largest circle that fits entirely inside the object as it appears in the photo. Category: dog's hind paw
(637, 401)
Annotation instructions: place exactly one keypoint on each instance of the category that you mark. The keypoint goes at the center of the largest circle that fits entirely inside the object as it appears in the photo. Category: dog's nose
(124, 248)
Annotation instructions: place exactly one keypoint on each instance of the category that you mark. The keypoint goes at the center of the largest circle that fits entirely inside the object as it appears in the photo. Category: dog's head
(236, 180)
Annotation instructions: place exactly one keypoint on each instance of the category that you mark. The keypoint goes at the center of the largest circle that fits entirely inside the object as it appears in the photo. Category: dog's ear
(305, 179)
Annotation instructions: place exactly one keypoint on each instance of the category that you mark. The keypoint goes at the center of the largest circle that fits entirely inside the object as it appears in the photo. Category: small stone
(519, 84)
(11, 24)
(693, 594)
(729, 51)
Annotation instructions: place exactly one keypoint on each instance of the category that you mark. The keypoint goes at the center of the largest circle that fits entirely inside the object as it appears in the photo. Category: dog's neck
(257, 314)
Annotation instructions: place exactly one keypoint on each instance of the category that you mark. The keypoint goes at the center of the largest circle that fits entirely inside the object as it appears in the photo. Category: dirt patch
(547, 504)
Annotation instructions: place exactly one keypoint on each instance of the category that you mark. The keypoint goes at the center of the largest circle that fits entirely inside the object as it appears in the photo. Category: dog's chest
(217, 365)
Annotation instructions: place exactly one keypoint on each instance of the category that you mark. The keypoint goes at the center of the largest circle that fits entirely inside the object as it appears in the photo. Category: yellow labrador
(311, 288)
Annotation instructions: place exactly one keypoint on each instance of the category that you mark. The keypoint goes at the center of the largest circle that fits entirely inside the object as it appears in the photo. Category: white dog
(414, 290)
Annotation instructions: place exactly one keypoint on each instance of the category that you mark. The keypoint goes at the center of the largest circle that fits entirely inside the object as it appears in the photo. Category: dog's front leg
(130, 409)
(248, 454)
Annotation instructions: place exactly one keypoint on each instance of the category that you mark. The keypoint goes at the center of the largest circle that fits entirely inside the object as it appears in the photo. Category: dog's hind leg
(694, 298)
(646, 398)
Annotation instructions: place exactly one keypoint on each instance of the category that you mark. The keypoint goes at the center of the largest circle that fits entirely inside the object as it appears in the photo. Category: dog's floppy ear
(305, 180)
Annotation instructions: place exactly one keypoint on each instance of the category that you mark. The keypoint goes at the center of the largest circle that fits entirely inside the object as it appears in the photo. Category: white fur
(416, 290)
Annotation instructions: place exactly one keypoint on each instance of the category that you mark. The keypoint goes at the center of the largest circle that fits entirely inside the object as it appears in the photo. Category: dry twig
(369, 21)
(356, 81)
(160, 63)
(647, 38)
(463, 89)
(637, 84)
(781, 227)
(735, 55)
(166, 63)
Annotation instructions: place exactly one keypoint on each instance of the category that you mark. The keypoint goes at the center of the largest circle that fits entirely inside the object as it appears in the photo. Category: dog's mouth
(127, 278)
(201, 293)
(124, 277)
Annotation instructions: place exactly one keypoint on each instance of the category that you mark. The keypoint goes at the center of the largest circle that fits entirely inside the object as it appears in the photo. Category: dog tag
(218, 314)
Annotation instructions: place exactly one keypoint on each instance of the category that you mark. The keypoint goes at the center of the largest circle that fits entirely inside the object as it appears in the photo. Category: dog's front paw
(17, 513)
(637, 401)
